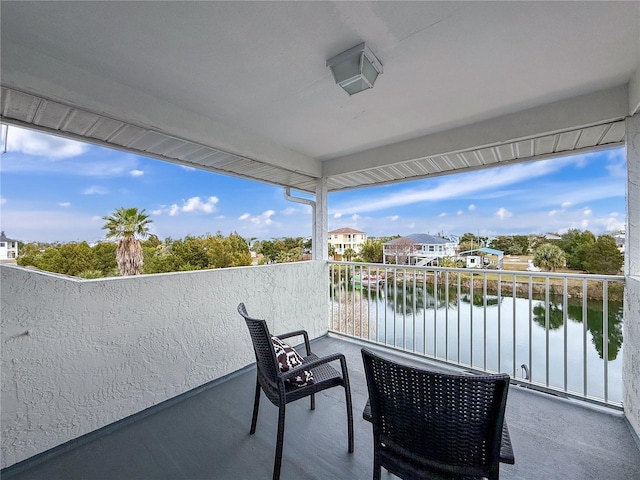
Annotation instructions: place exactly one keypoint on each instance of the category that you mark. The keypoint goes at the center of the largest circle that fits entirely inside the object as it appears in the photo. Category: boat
(369, 281)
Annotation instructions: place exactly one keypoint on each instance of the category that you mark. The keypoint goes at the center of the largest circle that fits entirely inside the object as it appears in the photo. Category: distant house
(483, 258)
(8, 247)
(418, 249)
(620, 241)
(344, 238)
(552, 236)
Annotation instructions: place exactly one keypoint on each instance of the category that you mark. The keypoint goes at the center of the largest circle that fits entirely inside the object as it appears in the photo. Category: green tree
(371, 251)
(331, 251)
(576, 245)
(152, 241)
(549, 257)
(75, 258)
(603, 257)
(222, 252)
(501, 243)
(30, 255)
(269, 251)
(348, 254)
(50, 260)
(192, 251)
(105, 255)
(520, 245)
(127, 225)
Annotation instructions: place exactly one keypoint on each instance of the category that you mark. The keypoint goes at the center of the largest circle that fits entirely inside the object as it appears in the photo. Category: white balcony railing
(560, 333)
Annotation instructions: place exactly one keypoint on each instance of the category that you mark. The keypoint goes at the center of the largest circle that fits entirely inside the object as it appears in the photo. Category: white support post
(632, 247)
(321, 224)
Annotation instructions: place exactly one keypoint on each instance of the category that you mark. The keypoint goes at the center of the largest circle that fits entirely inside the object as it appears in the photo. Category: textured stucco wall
(631, 360)
(100, 350)
(631, 332)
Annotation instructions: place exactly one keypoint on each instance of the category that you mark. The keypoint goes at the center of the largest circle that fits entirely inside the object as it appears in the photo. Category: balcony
(205, 435)
(152, 377)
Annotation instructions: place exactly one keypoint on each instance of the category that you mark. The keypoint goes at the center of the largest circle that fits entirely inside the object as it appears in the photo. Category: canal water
(518, 336)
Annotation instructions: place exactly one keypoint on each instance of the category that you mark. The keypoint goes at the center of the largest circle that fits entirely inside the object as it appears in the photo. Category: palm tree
(126, 225)
(549, 257)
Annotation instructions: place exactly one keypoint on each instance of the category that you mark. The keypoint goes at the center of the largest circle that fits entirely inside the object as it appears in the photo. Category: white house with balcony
(344, 238)
(8, 247)
(418, 249)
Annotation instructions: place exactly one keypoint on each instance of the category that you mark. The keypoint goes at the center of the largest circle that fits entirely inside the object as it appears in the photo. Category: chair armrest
(298, 333)
(316, 362)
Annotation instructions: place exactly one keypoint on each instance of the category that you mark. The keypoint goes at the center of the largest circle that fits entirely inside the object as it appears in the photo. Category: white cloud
(442, 214)
(587, 211)
(553, 212)
(459, 212)
(503, 213)
(95, 190)
(136, 173)
(40, 144)
(65, 204)
(244, 216)
(264, 218)
(355, 217)
(3, 201)
(472, 208)
(393, 218)
(459, 186)
(288, 211)
(337, 215)
(195, 204)
(192, 205)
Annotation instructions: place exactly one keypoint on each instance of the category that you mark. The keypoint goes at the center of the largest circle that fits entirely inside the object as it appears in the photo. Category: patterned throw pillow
(288, 358)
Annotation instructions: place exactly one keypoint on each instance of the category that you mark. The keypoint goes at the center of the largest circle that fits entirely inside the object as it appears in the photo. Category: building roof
(489, 251)
(4, 238)
(420, 238)
(344, 230)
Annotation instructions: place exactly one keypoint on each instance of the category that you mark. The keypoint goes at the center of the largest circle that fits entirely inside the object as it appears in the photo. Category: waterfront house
(344, 238)
(418, 249)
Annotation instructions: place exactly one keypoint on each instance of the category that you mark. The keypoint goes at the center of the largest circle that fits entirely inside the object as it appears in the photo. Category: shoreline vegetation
(505, 281)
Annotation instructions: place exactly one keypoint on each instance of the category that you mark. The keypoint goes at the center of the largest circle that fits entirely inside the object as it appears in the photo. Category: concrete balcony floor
(206, 436)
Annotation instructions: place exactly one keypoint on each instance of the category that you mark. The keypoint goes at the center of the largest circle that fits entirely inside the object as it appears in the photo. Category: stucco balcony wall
(78, 355)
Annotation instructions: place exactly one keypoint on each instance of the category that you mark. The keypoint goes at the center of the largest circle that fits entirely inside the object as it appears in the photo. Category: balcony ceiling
(241, 88)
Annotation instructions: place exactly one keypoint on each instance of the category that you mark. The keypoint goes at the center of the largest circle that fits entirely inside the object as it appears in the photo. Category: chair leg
(279, 443)
(256, 406)
(313, 401)
(347, 392)
(377, 472)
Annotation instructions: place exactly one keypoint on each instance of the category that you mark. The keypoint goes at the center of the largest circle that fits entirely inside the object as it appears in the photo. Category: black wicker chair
(429, 424)
(279, 391)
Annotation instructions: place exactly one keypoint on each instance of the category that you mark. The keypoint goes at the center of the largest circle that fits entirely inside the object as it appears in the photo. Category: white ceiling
(242, 87)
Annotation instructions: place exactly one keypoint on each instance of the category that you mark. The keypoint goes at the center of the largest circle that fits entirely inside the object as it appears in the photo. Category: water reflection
(491, 331)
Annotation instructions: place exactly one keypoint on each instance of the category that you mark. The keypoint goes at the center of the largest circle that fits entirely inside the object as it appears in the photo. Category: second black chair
(430, 424)
(278, 386)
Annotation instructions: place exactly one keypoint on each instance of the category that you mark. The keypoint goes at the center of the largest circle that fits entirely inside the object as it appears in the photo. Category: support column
(320, 235)
(631, 325)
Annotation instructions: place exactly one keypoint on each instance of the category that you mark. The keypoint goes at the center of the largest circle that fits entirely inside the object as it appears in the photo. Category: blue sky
(53, 189)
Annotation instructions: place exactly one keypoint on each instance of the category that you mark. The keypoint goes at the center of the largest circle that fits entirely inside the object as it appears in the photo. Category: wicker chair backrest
(446, 421)
(266, 361)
